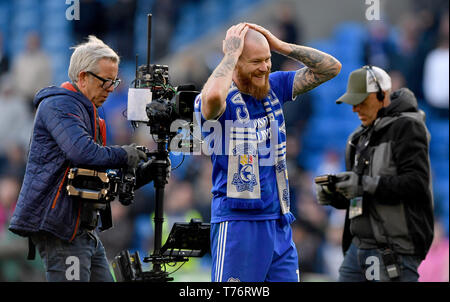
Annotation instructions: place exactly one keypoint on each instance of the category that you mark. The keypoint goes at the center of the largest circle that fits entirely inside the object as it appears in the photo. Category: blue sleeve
(282, 83)
(197, 110)
(64, 120)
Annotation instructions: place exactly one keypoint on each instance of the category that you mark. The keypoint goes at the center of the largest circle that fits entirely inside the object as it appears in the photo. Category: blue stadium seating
(203, 16)
(349, 39)
(439, 144)
(47, 18)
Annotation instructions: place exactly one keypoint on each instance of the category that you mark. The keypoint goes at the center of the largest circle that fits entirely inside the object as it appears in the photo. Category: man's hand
(323, 198)
(320, 67)
(348, 185)
(134, 155)
(215, 91)
(274, 43)
(234, 40)
(146, 172)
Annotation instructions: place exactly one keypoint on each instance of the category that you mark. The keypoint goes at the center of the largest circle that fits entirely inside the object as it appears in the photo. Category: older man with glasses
(68, 133)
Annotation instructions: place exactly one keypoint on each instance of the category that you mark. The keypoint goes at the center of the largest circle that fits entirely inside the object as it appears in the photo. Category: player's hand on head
(234, 39)
(274, 42)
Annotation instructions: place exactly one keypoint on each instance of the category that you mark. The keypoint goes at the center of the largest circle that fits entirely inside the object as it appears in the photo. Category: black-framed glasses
(106, 82)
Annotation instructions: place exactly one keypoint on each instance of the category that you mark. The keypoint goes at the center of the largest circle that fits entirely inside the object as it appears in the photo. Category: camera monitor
(187, 239)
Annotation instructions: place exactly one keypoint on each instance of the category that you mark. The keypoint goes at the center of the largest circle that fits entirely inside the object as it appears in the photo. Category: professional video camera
(168, 103)
(104, 186)
(165, 109)
(101, 186)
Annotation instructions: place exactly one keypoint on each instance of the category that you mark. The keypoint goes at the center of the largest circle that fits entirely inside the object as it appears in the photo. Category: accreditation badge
(356, 208)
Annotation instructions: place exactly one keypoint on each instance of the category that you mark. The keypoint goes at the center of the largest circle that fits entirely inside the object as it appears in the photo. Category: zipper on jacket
(76, 223)
(59, 188)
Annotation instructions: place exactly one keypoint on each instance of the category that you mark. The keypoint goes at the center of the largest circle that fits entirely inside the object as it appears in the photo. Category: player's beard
(258, 92)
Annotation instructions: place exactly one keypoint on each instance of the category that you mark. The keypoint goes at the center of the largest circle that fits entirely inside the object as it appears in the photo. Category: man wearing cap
(386, 189)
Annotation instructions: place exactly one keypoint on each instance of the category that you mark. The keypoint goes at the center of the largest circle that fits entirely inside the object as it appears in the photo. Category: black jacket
(400, 205)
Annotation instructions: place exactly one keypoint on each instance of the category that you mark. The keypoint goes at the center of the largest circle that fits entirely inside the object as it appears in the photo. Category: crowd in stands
(414, 50)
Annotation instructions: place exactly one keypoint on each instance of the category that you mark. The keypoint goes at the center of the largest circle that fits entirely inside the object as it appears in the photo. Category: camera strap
(31, 249)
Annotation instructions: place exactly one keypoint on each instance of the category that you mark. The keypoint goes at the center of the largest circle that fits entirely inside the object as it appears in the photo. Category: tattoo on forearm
(320, 67)
(305, 80)
(309, 58)
(224, 68)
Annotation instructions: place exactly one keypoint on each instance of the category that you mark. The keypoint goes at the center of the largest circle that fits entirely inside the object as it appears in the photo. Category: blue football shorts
(253, 251)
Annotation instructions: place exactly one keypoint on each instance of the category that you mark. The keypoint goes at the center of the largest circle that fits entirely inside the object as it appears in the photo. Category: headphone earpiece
(380, 92)
(380, 95)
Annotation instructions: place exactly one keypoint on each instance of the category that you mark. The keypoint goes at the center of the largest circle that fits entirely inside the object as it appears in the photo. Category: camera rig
(101, 186)
(185, 240)
(166, 105)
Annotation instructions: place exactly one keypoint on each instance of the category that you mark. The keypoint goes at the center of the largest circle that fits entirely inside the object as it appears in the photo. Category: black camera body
(102, 186)
(327, 181)
(168, 103)
(125, 185)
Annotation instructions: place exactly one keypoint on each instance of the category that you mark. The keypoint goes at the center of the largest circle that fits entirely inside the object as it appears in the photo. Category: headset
(380, 92)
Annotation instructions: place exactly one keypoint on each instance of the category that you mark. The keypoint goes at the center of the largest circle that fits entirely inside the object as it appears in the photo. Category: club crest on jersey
(245, 179)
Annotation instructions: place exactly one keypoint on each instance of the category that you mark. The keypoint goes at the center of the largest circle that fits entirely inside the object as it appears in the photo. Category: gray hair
(86, 56)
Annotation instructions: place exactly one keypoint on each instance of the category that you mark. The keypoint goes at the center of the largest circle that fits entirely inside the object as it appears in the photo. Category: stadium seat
(439, 144)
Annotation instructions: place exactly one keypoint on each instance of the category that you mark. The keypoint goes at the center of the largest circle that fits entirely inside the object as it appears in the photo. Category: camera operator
(68, 133)
(387, 187)
(251, 237)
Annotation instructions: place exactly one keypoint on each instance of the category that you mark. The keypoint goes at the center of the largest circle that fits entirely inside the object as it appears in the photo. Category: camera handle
(159, 182)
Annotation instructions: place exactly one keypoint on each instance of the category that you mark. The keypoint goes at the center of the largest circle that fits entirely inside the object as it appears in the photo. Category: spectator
(92, 20)
(296, 113)
(287, 29)
(31, 70)
(436, 73)
(15, 119)
(164, 21)
(13, 161)
(435, 266)
(4, 59)
(379, 48)
(398, 79)
(120, 21)
(331, 249)
(428, 24)
(13, 249)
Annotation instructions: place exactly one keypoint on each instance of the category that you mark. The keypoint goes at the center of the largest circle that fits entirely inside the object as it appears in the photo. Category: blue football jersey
(249, 190)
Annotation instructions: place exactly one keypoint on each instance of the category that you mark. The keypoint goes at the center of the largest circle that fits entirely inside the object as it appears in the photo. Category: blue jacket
(63, 137)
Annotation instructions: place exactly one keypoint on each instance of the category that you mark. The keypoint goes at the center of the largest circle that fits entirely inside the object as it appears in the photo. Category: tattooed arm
(215, 91)
(320, 67)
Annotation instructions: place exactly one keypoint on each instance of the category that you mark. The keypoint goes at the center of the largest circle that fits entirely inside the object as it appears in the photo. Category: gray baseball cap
(361, 83)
